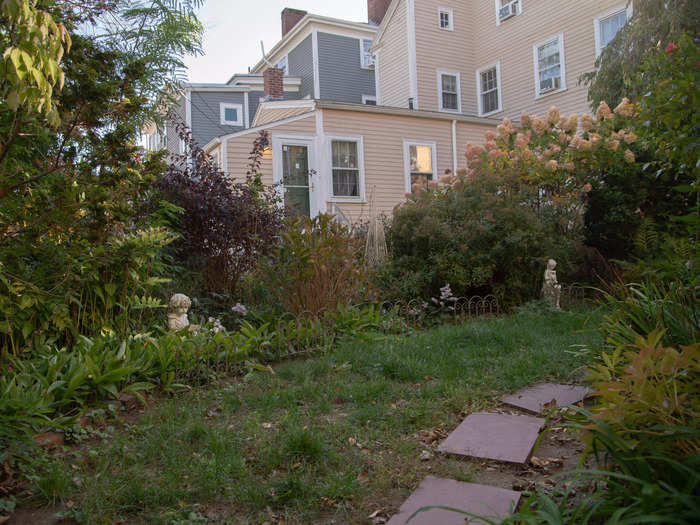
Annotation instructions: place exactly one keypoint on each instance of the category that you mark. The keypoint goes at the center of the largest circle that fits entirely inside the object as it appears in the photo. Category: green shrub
(648, 393)
(315, 267)
(478, 239)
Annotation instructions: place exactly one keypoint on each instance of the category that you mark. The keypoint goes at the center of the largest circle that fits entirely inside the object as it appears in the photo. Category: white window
(366, 56)
(488, 82)
(506, 9)
(420, 159)
(370, 100)
(346, 168)
(550, 71)
(445, 19)
(284, 65)
(231, 114)
(609, 24)
(449, 91)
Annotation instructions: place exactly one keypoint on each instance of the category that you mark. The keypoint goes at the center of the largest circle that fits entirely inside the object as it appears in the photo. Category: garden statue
(551, 289)
(177, 316)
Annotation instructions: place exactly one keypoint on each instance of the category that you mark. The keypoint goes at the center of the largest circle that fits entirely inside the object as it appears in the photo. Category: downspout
(454, 148)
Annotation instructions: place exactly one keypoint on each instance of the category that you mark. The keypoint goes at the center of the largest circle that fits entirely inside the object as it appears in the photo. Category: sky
(234, 28)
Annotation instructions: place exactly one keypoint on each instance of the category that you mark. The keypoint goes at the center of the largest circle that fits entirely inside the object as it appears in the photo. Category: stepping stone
(539, 397)
(491, 502)
(494, 436)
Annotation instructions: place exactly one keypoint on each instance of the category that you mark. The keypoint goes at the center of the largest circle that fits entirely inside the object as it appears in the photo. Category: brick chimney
(290, 18)
(273, 81)
(376, 9)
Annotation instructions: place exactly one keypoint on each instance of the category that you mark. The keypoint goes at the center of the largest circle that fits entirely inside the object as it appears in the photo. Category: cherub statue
(177, 316)
(551, 289)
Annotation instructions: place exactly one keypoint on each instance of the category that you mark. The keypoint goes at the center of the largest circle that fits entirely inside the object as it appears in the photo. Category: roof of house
(305, 22)
(270, 114)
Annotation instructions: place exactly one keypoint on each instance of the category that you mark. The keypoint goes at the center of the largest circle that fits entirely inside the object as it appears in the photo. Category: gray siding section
(301, 64)
(206, 114)
(342, 77)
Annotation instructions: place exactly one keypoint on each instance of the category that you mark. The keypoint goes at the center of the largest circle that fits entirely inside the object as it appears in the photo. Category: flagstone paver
(501, 437)
(533, 399)
(492, 502)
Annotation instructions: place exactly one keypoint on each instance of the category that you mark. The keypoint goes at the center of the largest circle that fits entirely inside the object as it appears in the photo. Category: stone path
(538, 398)
(496, 503)
(492, 436)
(501, 437)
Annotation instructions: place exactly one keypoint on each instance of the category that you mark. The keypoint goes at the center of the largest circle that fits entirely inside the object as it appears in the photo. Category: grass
(327, 439)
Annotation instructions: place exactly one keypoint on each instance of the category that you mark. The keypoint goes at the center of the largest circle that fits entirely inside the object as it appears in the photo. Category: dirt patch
(40, 516)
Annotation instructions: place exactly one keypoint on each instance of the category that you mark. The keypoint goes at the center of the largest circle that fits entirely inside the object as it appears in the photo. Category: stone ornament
(177, 314)
(551, 289)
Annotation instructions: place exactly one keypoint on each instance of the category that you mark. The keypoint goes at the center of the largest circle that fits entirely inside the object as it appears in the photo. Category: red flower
(671, 47)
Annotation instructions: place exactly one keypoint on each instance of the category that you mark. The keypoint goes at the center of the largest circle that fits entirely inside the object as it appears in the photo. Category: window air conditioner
(549, 84)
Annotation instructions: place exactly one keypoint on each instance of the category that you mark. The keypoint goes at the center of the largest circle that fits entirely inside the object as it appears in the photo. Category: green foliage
(55, 385)
(639, 309)
(315, 267)
(31, 55)
(80, 250)
(654, 24)
(479, 239)
(652, 400)
(669, 124)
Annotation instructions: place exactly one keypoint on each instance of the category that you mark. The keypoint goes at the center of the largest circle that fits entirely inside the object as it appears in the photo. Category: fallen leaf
(538, 462)
(363, 478)
(426, 455)
(267, 425)
(352, 441)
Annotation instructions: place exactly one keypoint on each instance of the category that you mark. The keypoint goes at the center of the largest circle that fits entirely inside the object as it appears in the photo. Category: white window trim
(497, 65)
(365, 98)
(362, 53)
(497, 6)
(295, 140)
(407, 159)
(360, 164)
(450, 14)
(223, 106)
(596, 23)
(538, 95)
(459, 91)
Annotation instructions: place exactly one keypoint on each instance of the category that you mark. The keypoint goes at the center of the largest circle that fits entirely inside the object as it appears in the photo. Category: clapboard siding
(393, 78)
(341, 74)
(301, 64)
(206, 116)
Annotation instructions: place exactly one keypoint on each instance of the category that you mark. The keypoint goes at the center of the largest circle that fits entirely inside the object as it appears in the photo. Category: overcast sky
(234, 29)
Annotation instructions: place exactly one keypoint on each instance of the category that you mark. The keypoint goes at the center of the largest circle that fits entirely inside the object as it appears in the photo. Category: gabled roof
(303, 24)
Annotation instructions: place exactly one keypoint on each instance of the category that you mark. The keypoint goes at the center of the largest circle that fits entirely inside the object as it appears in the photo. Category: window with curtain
(345, 167)
(421, 164)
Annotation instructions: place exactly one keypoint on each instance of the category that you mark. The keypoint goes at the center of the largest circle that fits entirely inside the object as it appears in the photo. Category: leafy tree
(653, 25)
(77, 248)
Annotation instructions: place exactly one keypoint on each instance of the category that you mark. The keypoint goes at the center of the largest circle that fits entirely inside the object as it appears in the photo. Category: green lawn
(327, 439)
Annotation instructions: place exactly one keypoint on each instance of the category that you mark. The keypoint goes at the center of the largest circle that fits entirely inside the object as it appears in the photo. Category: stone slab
(533, 399)
(501, 437)
(491, 502)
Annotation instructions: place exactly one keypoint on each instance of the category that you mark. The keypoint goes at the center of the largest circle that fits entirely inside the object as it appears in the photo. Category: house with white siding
(443, 72)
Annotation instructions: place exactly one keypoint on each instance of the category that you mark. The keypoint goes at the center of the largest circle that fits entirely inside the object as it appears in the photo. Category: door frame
(314, 182)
